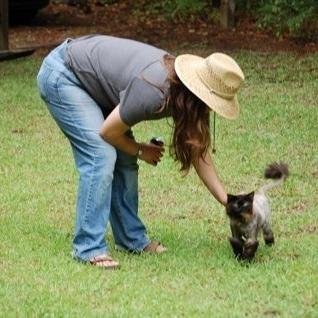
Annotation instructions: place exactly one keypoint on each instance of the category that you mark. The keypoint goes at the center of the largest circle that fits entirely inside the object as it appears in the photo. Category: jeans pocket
(48, 80)
(42, 78)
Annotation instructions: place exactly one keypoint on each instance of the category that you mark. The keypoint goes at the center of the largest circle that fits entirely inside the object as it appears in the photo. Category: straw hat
(215, 80)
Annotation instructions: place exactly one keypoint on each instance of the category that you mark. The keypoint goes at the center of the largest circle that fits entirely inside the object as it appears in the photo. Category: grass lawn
(198, 276)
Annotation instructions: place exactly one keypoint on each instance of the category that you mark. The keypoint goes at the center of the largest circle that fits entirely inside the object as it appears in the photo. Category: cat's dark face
(240, 207)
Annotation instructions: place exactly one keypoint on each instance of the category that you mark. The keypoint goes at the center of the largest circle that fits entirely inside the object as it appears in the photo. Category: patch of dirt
(299, 207)
(272, 312)
(311, 229)
(315, 173)
(56, 22)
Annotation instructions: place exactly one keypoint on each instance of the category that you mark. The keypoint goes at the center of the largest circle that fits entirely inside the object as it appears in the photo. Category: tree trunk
(227, 14)
(4, 25)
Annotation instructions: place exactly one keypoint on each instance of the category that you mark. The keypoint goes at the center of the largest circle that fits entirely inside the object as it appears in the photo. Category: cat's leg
(250, 245)
(268, 234)
(236, 242)
(237, 246)
(249, 250)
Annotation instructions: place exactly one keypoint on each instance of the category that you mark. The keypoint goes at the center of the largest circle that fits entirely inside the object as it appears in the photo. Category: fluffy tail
(278, 172)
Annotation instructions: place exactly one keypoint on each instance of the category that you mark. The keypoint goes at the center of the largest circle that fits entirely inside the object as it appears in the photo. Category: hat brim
(186, 66)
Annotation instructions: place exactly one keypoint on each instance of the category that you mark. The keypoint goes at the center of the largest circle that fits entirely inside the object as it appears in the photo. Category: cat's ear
(230, 198)
(250, 196)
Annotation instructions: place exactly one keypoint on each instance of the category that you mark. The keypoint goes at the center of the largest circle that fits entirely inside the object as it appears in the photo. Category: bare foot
(104, 261)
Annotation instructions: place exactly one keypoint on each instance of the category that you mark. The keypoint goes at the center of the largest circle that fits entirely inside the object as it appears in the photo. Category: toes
(107, 263)
(104, 261)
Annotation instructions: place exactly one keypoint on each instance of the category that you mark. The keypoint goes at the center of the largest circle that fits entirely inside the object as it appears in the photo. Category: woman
(97, 88)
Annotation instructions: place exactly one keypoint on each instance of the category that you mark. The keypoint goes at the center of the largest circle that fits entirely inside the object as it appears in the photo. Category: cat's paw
(249, 250)
(237, 246)
(269, 240)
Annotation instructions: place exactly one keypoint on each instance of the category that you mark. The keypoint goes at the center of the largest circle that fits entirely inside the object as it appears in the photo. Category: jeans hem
(132, 250)
(88, 256)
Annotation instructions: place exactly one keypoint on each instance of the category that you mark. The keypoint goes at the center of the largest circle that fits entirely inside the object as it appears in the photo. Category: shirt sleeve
(139, 101)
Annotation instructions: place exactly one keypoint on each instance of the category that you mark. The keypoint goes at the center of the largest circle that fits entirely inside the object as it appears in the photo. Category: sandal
(155, 248)
(104, 261)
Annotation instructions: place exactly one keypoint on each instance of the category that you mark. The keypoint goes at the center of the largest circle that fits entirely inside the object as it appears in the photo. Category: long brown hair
(191, 117)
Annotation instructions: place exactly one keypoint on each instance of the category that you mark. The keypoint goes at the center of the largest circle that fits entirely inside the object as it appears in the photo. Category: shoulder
(142, 91)
(155, 73)
(138, 101)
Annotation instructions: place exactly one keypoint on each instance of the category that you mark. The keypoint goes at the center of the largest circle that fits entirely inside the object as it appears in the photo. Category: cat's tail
(278, 172)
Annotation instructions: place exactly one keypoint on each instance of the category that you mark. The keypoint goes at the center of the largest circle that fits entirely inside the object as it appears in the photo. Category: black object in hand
(157, 141)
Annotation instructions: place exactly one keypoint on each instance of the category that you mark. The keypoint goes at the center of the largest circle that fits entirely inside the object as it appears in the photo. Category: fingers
(161, 153)
(157, 152)
(155, 161)
(152, 154)
(156, 158)
(159, 148)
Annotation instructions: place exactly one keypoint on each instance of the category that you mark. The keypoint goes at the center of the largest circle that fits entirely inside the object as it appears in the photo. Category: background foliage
(298, 17)
(295, 17)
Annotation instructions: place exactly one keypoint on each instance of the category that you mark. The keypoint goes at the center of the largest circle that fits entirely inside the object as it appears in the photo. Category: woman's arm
(207, 173)
(113, 131)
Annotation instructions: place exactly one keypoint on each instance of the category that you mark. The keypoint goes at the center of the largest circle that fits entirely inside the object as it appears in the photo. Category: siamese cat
(250, 213)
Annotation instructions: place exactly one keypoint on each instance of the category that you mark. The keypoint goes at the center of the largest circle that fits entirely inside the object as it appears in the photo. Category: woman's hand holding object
(150, 153)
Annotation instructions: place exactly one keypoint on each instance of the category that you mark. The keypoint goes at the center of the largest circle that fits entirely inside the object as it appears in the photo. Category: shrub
(180, 9)
(297, 17)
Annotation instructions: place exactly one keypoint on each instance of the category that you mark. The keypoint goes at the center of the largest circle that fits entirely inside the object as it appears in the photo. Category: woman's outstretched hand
(150, 153)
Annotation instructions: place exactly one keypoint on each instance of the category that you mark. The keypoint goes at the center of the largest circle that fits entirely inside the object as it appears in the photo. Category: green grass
(198, 276)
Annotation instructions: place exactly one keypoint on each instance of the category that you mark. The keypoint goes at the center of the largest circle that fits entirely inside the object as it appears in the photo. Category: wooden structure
(4, 26)
(227, 13)
(5, 53)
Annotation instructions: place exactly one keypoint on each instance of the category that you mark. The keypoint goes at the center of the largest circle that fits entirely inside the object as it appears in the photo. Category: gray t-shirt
(121, 71)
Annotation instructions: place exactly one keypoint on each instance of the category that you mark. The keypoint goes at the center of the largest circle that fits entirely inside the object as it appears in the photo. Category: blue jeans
(108, 177)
